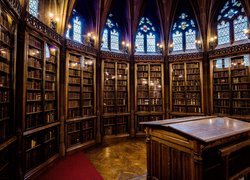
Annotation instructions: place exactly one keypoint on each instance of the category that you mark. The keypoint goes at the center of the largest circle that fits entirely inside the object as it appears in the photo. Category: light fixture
(69, 26)
(125, 47)
(247, 33)
(90, 39)
(136, 46)
(159, 48)
(212, 42)
(198, 44)
(171, 47)
(53, 20)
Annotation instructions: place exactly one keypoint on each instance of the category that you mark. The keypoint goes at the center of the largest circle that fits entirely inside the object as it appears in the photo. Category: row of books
(87, 103)
(155, 74)
(4, 112)
(240, 104)
(49, 106)
(193, 71)
(4, 37)
(50, 86)
(74, 80)
(4, 67)
(155, 68)
(73, 72)
(51, 67)
(5, 54)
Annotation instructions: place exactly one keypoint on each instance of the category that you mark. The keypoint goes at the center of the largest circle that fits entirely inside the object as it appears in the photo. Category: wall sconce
(125, 47)
(159, 48)
(213, 42)
(247, 32)
(198, 44)
(53, 21)
(171, 47)
(90, 39)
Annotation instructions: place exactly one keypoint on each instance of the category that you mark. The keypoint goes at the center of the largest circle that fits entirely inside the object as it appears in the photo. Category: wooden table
(203, 147)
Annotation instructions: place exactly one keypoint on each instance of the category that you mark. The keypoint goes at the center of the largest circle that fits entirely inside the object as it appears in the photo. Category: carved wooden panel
(15, 6)
(184, 57)
(155, 58)
(239, 49)
(80, 47)
(37, 25)
(114, 55)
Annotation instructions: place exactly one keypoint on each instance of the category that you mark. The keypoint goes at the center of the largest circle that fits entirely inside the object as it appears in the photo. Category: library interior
(125, 89)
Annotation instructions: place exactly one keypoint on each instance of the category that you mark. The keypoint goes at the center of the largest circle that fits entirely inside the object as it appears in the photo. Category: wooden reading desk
(204, 147)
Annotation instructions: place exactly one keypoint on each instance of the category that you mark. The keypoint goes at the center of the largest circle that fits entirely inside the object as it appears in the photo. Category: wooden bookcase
(230, 84)
(115, 101)
(8, 29)
(149, 93)
(40, 102)
(186, 88)
(81, 100)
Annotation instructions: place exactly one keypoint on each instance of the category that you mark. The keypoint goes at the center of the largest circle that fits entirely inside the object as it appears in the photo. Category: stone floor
(124, 160)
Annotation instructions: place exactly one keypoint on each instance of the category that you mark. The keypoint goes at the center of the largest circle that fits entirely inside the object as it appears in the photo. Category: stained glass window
(231, 15)
(239, 25)
(111, 34)
(184, 33)
(114, 38)
(139, 42)
(177, 41)
(105, 38)
(146, 36)
(223, 33)
(77, 29)
(33, 7)
(190, 39)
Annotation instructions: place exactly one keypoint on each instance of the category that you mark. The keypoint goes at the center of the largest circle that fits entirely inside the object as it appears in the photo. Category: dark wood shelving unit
(149, 94)
(230, 84)
(81, 100)
(115, 99)
(186, 89)
(8, 138)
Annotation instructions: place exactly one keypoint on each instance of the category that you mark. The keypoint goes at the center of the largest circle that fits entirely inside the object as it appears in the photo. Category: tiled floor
(124, 160)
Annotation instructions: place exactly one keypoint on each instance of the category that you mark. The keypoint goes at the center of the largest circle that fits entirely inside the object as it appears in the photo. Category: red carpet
(75, 167)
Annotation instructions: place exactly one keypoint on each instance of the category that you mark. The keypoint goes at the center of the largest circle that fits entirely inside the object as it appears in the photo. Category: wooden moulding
(230, 51)
(80, 147)
(38, 26)
(80, 48)
(28, 132)
(114, 56)
(8, 143)
(80, 119)
(35, 172)
(185, 57)
(15, 6)
(149, 58)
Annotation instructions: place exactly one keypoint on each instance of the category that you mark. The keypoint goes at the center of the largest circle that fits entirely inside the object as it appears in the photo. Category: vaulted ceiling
(129, 12)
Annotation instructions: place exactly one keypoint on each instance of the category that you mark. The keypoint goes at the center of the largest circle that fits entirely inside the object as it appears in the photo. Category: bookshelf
(81, 98)
(8, 139)
(186, 88)
(149, 90)
(41, 103)
(230, 84)
(116, 104)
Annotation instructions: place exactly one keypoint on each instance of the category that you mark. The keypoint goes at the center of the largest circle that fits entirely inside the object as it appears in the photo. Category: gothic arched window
(184, 34)
(77, 29)
(33, 7)
(111, 35)
(231, 23)
(145, 40)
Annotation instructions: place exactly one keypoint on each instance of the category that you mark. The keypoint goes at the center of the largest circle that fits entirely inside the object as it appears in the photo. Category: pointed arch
(231, 23)
(111, 35)
(146, 35)
(184, 33)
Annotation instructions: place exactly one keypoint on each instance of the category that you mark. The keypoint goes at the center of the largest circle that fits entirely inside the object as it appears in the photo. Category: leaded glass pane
(150, 42)
(223, 32)
(239, 25)
(114, 40)
(67, 34)
(105, 39)
(139, 41)
(190, 39)
(33, 8)
(177, 41)
(77, 30)
(246, 60)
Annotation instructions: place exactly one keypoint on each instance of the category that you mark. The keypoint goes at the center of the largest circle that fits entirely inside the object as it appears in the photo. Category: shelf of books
(186, 88)
(149, 93)
(116, 116)
(41, 102)
(7, 72)
(230, 86)
(81, 98)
